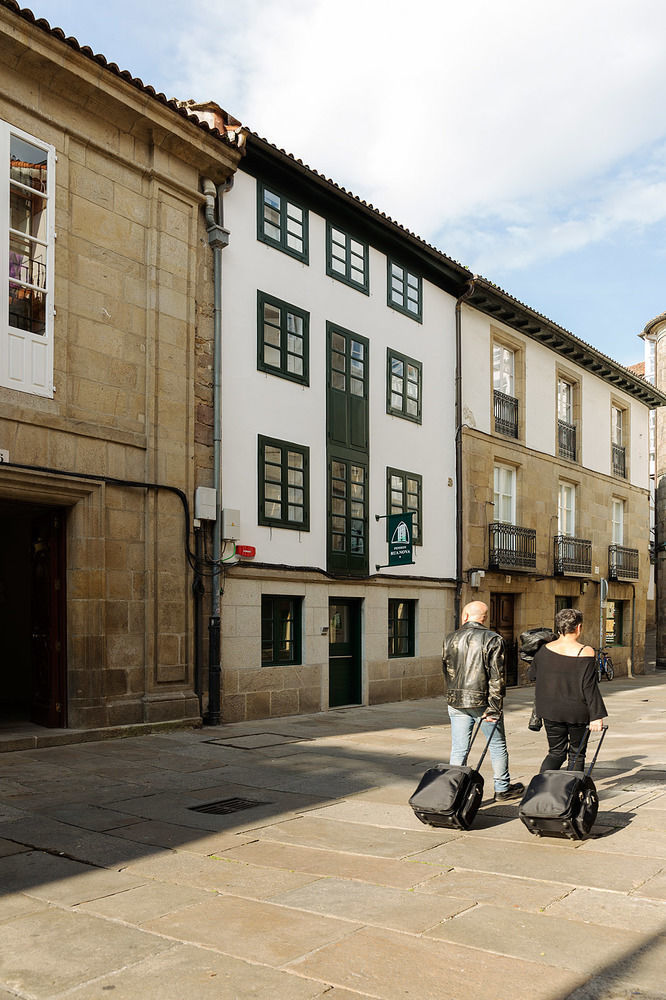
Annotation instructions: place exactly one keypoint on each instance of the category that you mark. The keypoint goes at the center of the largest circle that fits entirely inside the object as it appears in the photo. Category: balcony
(573, 556)
(622, 563)
(566, 440)
(511, 547)
(618, 463)
(506, 414)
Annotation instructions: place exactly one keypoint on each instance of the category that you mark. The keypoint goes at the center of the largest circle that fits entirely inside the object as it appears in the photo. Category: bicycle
(604, 665)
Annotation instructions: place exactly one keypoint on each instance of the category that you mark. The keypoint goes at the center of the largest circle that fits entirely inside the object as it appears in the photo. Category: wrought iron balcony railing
(566, 440)
(618, 463)
(506, 414)
(572, 555)
(622, 563)
(511, 547)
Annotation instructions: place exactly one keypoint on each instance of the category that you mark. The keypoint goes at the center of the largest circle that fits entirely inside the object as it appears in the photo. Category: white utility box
(230, 524)
(205, 503)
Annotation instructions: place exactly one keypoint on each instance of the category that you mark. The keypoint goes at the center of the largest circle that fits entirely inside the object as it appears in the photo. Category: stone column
(658, 329)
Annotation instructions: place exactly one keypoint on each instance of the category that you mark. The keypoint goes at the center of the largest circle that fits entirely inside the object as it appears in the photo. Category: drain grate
(224, 806)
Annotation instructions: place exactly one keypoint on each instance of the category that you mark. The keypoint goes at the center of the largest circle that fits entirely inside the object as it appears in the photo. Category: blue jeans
(462, 724)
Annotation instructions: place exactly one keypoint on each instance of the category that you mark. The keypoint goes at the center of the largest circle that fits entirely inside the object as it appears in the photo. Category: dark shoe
(514, 791)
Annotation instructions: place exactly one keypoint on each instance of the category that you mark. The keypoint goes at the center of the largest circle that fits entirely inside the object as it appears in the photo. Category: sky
(525, 139)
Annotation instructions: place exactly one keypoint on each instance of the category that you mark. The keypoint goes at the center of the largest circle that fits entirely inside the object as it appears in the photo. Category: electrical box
(230, 524)
(205, 503)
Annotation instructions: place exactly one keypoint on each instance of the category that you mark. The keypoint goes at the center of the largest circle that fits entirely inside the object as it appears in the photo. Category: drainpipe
(218, 239)
(467, 292)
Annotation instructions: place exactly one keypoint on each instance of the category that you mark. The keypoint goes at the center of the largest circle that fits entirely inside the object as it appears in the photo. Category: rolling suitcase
(563, 803)
(450, 794)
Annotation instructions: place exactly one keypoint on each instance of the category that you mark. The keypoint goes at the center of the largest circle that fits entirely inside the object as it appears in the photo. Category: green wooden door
(344, 652)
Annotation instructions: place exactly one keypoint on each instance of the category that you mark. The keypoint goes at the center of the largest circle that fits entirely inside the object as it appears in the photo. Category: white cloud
(486, 124)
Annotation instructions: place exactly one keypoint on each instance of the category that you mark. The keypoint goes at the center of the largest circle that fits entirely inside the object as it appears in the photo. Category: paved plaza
(316, 880)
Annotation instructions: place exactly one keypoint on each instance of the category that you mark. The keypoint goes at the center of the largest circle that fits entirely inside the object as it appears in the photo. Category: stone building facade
(556, 483)
(104, 428)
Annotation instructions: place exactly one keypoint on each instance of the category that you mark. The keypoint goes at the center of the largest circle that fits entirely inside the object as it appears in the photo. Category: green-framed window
(284, 489)
(282, 339)
(401, 620)
(280, 630)
(405, 290)
(282, 222)
(348, 516)
(404, 491)
(347, 259)
(404, 386)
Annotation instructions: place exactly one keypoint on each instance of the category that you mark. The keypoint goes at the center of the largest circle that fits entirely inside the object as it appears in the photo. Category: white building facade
(337, 409)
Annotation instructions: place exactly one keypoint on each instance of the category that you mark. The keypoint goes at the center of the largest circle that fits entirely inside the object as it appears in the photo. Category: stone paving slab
(98, 818)
(182, 838)
(83, 845)
(378, 871)
(395, 966)
(35, 960)
(537, 937)
(354, 838)
(387, 815)
(543, 861)
(8, 847)
(187, 971)
(383, 906)
(612, 910)
(16, 904)
(60, 880)
(653, 888)
(635, 975)
(248, 929)
(223, 874)
(178, 809)
(484, 887)
(146, 902)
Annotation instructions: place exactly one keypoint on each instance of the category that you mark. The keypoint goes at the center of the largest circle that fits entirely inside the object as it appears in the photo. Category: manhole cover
(224, 806)
(258, 741)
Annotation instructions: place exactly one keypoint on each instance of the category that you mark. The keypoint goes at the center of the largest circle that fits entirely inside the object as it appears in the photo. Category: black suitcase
(450, 794)
(563, 803)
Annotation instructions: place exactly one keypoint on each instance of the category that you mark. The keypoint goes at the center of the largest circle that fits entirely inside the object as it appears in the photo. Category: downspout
(218, 239)
(468, 291)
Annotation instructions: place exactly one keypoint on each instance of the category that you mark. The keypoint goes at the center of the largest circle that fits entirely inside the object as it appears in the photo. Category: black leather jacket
(473, 663)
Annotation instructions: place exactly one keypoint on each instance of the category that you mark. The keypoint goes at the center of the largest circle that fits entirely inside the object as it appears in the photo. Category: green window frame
(348, 499)
(282, 222)
(347, 259)
(404, 290)
(401, 619)
(284, 484)
(404, 386)
(280, 630)
(404, 492)
(283, 339)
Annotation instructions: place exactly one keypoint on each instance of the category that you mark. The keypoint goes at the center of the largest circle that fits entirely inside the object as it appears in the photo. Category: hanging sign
(400, 538)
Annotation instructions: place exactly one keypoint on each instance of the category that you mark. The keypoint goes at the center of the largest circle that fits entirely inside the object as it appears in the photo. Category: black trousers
(564, 738)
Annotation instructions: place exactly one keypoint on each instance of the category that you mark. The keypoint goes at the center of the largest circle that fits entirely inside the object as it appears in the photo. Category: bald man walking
(473, 663)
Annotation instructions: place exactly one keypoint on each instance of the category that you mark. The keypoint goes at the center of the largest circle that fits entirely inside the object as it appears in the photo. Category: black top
(566, 687)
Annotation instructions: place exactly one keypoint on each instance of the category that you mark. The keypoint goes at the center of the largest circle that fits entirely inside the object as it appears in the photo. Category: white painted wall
(255, 403)
(541, 368)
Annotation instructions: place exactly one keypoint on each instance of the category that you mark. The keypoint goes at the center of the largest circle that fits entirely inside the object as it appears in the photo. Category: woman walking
(567, 694)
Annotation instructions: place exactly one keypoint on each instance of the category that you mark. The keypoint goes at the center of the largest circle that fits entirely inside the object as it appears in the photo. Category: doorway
(344, 652)
(501, 620)
(32, 615)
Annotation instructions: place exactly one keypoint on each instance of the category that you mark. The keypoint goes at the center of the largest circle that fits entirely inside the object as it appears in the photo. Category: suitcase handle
(583, 745)
(485, 749)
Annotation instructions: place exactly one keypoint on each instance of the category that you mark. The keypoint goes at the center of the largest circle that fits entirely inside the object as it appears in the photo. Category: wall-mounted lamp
(584, 585)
